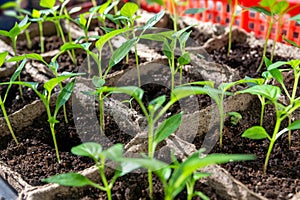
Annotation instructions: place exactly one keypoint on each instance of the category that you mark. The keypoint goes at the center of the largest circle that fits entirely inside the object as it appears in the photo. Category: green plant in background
(155, 111)
(233, 7)
(100, 157)
(2, 101)
(274, 10)
(39, 17)
(272, 94)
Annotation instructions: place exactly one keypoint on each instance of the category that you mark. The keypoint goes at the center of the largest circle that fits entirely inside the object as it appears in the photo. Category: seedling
(235, 117)
(274, 10)
(234, 5)
(46, 95)
(100, 157)
(272, 94)
(155, 111)
(2, 101)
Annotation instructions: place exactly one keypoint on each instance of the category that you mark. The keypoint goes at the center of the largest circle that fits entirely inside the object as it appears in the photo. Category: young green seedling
(2, 101)
(100, 157)
(155, 111)
(179, 175)
(46, 95)
(272, 94)
(235, 117)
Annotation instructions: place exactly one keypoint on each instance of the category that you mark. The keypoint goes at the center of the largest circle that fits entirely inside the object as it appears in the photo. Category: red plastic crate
(218, 11)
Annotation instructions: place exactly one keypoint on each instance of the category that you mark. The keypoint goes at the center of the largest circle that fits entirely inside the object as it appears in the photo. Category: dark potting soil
(243, 58)
(282, 178)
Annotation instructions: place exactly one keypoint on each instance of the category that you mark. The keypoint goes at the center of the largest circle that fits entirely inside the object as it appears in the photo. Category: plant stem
(289, 132)
(103, 178)
(279, 22)
(262, 109)
(101, 114)
(54, 140)
(150, 154)
(14, 43)
(40, 23)
(272, 141)
(266, 44)
(7, 120)
(29, 44)
(175, 17)
(221, 126)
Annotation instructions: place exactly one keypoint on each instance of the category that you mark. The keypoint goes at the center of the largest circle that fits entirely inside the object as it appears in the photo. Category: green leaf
(167, 50)
(18, 70)
(148, 163)
(235, 117)
(294, 126)
(166, 128)
(47, 3)
(4, 33)
(261, 10)
(53, 120)
(194, 10)
(129, 9)
(127, 167)
(197, 161)
(159, 2)
(70, 179)
(82, 20)
(89, 149)
(276, 65)
(49, 85)
(100, 43)
(267, 3)
(133, 91)
(2, 57)
(10, 4)
(121, 52)
(33, 56)
(15, 31)
(201, 195)
(156, 103)
(153, 20)
(181, 31)
(186, 91)
(64, 96)
(269, 91)
(98, 82)
(184, 59)
(36, 13)
(114, 153)
(256, 133)
(280, 7)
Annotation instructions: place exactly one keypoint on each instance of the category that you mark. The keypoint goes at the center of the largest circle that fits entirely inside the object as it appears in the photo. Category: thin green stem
(29, 43)
(150, 184)
(277, 36)
(54, 140)
(103, 178)
(7, 120)
(221, 125)
(266, 44)
(262, 110)
(230, 27)
(289, 132)
(295, 86)
(101, 114)
(40, 23)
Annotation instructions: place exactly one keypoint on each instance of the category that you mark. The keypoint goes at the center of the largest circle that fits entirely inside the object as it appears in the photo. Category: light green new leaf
(166, 128)
(129, 9)
(4, 33)
(47, 3)
(294, 126)
(184, 59)
(276, 65)
(121, 52)
(100, 43)
(280, 7)
(36, 13)
(114, 153)
(256, 133)
(267, 3)
(49, 85)
(156, 103)
(89, 149)
(2, 57)
(133, 91)
(98, 82)
(82, 20)
(70, 179)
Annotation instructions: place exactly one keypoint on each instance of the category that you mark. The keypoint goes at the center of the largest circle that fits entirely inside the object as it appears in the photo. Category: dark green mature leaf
(166, 128)
(89, 149)
(194, 10)
(269, 91)
(294, 126)
(47, 3)
(256, 133)
(153, 20)
(70, 179)
(122, 51)
(129, 9)
(2, 57)
(64, 96)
